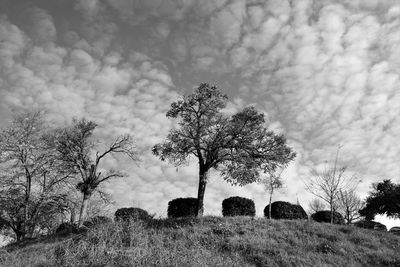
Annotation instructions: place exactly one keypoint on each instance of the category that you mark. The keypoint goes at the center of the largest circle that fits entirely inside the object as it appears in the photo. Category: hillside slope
(213, 241)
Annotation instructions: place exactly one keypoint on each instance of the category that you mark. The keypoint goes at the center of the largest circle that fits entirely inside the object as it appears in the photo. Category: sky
(324, 72)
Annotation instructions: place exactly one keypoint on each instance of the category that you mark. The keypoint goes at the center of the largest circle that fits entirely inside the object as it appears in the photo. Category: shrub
(131, 214)
(182, 207)
(370, 225)
(395, 230)
(238, 206)
(325, 216)
(97, 220)
(285, 210)
(67, 228)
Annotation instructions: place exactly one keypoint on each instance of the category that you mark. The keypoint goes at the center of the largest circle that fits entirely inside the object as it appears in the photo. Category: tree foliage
(285, 210)
(384, 199)
(238, 206)
(239, 145)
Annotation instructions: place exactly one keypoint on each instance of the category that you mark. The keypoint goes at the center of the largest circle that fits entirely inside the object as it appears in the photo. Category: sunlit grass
(214, 241)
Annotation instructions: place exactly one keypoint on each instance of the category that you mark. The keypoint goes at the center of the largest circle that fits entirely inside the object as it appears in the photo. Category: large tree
(384, 199)
(239, 145)
(30, 179)
(75, 148)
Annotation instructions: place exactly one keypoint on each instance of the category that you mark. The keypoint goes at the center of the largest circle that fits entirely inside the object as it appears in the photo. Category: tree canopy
(384, 199)
(239, 146)
(30, 181)
(74, 146)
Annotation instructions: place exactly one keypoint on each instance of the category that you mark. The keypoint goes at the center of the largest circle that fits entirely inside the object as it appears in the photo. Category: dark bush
(285, 210)
(238, 206)
(67, 228)
(131, 214)
(370, 225)
(395, 230)
(97, 220)
(182, 207)
(325, 216)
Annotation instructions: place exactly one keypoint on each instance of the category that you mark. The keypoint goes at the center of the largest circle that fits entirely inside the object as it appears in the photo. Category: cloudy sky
(324, 72)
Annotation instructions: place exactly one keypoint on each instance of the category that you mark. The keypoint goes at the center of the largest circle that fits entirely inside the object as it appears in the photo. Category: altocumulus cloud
(325, 73)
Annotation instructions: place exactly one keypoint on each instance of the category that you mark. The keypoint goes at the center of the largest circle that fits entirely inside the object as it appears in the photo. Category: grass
(211, 241)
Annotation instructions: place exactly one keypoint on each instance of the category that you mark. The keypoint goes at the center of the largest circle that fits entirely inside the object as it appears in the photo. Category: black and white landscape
(134, 103)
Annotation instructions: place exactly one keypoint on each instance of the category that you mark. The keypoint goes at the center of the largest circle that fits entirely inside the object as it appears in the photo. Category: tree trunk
(83, 211)
(331, 212)
(72, 218)
(26, 200)
(31, 230)
(270, 208)
(348, 216)
(19, 235)
(19, 231)
(201, 191)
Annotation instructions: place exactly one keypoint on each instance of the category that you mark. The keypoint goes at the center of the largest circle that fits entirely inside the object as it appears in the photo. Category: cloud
(325, 73)
(88, 7)
(43, 26)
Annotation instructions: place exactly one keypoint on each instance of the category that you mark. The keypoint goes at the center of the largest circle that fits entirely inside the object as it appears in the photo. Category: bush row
(233, 206)
(236, 206)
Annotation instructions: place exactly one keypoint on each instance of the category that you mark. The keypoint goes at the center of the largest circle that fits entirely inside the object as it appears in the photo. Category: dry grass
(213, 241)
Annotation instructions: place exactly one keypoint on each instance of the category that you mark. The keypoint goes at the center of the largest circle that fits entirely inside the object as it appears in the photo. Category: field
(211, 241)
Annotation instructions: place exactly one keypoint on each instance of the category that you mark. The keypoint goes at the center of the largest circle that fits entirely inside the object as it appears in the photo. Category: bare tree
(30, 179)
(327, 184)
(316, 205)
(272, 181)
(350, 205)
(75, 146)
(239, 146)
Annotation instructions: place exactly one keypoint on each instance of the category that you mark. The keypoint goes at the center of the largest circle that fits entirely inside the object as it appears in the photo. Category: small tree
(384, 199)
(238, 206)
(327, 184)
(316, 205)
(239, 146)
(273, 181)
(75, 147)
(350, 205)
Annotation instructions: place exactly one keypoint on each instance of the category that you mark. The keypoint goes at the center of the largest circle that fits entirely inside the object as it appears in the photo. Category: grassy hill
(212, 241)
